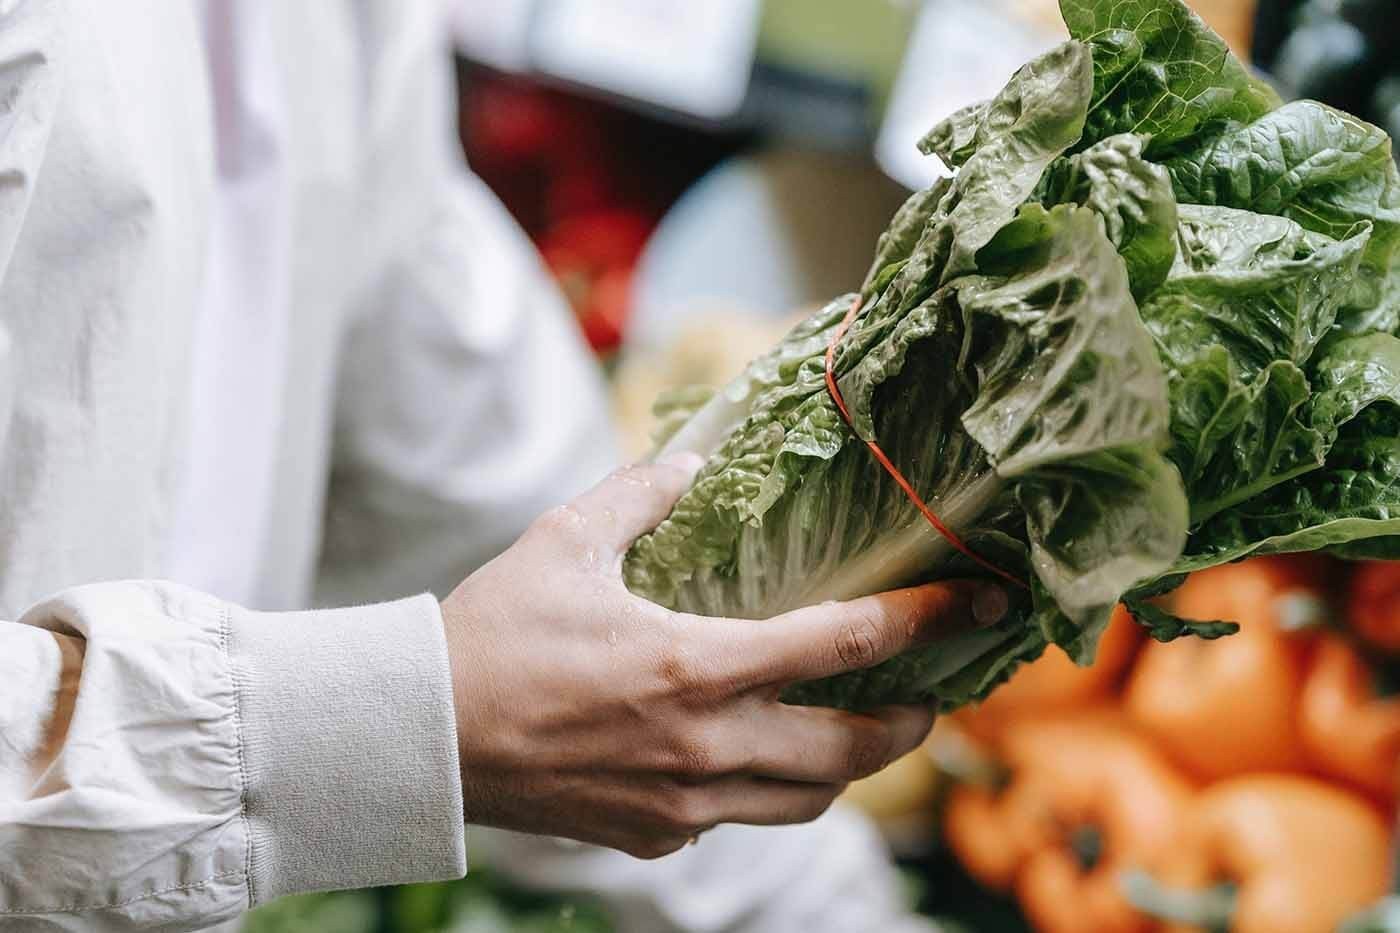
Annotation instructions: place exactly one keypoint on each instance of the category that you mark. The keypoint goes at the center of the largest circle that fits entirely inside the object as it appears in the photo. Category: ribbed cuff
(348, 747)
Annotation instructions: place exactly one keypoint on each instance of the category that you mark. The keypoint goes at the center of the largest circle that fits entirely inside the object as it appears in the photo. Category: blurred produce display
(587, 180)
(1229, 708)
(1256, 795)
(1083, 801)
(1270, 853)
(778, 252)
(1342, 52)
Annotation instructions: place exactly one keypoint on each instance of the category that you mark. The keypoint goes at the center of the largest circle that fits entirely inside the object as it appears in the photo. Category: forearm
(180, 760)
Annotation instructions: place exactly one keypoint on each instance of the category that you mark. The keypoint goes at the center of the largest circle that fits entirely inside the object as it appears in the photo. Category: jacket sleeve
(168, 760)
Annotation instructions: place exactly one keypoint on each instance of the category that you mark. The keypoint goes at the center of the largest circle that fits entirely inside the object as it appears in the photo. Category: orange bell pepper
(1229, 706)
(1053, 683)
(1085, 801)
(1302, 854)
(1373, 605)
(1347, 730)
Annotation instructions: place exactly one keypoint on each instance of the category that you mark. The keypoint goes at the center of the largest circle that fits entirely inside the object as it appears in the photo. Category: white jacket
(169, 758)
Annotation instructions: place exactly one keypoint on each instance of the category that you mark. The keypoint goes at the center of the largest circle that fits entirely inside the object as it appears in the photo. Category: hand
(587, 712)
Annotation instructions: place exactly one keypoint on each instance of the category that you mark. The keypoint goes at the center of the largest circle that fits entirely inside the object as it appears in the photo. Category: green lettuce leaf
(1378, 548)
(1133, 196)
(1159, 71)
(1354, 374)
(1354, 498)
(1038, 116)
(955, 138)
(1163, 625)
(1324, 169)
(1239, 319)
(902, 236)
(675, 407)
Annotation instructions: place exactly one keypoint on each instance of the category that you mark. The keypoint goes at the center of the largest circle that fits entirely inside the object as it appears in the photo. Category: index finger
(834, 638)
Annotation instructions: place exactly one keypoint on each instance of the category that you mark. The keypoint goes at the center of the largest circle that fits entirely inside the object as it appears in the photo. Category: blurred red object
(592, 257)
(1373, 605)
(1348, 728)
(587, 180)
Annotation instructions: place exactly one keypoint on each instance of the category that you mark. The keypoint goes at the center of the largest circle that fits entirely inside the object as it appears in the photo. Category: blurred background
(696, 174)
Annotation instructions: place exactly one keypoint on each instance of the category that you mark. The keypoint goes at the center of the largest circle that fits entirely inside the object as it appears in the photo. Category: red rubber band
(948, 534)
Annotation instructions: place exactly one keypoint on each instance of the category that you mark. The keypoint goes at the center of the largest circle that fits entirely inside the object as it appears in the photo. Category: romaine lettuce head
(1148, 326)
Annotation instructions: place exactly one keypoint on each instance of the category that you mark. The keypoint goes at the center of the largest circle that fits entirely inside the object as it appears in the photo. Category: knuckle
(636, 477)
(867, 752)
(695, 754)
(691, 813)
(684, 675)
(858, 642)
(564, 522)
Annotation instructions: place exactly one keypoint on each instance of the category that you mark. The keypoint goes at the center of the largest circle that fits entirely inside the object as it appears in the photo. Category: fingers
(762, 802)
(627, 504)
(657, 815)
(678, 812)
(682, 813)
(833, 638)
(830, 746)
(767, 738)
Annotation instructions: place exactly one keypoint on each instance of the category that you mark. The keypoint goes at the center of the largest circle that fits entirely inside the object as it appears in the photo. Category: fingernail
(683, 460)
(989, 604)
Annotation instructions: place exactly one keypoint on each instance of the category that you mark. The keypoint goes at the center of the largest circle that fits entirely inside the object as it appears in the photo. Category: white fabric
(239, 354)
(260, 332)
(830, 876)
(199, 775)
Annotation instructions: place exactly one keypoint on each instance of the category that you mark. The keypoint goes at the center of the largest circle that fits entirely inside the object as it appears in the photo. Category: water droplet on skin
(613, 637)
(830, 602)
(590, 557)
(570, 517)
(609, 516)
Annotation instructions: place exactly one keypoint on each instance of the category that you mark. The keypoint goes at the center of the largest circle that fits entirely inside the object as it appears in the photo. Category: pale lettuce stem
(900, 559)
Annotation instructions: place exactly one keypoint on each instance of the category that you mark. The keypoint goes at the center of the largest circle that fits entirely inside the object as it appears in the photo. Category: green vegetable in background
(1149, 326)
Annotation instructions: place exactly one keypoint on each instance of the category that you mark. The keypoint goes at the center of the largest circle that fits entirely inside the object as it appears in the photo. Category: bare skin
(590, 713)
